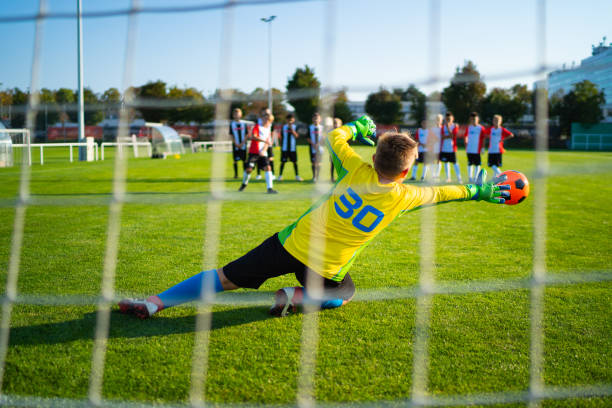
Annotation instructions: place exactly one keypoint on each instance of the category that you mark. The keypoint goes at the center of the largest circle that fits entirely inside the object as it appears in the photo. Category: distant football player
(474, 139)
(421, 138)
(315, 132)
(448, 147)
(320, 247)
(289, 137)
(261, 138)
(435, 139)
(497, 134)
(238, 131)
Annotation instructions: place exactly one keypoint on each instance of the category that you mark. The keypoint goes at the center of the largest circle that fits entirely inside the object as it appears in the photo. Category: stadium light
(269, 21)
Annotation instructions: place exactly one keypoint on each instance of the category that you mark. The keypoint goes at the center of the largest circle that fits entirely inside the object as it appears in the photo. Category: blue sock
(191, 289)
(327, 304)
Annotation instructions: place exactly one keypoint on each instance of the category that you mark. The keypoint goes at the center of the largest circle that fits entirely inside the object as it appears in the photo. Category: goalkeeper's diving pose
(320, 247)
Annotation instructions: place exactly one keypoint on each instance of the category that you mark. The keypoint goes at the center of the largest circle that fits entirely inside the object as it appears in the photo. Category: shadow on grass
(123, 326)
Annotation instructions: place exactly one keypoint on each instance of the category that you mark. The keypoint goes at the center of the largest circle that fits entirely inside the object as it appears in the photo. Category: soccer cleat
(298, 178)
(285, 301)
(258, 177)
(280, 178)
(272, 191)
(448, 180)
(412, 178)
(242, 187)
(141, 308)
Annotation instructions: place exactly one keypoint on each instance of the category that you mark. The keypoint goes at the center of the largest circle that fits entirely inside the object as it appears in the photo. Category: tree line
(466, 93)
(155, 101)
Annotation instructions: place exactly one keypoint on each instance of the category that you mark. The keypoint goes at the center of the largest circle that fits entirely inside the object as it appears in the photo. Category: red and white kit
(449, 145)
(475, 139)
(496, 138)
(421, 137)
(263, 133)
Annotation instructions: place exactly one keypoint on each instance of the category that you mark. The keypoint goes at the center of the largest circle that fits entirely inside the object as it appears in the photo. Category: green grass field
(478, 342)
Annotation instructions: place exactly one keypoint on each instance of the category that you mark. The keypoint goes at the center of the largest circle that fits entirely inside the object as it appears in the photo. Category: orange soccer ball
(519, 186)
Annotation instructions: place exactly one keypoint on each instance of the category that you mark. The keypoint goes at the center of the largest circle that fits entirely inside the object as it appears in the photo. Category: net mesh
(423, 292)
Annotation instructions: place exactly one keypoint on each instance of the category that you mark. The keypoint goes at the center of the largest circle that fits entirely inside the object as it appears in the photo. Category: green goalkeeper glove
(488, 191)
(363, 128)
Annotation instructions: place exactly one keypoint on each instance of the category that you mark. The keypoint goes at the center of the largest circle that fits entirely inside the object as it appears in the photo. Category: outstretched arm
(480, 191)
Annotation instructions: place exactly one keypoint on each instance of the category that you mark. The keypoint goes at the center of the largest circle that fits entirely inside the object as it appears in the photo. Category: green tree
(111, 99)
(48, 112)
(150, 96)
(303, 92)
(66, 99)
(258, 100)
(192, 106)
(341, 108)
(465, 92)
(418, 102)
(384, 106)
(91, 103)
(581, 105)
(19, 106)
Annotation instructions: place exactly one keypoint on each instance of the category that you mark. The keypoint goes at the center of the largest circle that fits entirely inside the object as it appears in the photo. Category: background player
(474, 138)
(421, 138)
(289, 146)
(448, 149)
(435, 137)
(315, 131)
(239, 132)
(497, 134)
(363, 202)
(261, 138)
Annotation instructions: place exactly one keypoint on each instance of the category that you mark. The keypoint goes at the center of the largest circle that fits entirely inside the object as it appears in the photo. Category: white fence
(134, 145)
(70, 146)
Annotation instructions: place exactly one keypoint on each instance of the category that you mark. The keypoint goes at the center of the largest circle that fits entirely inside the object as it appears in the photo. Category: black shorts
(495, 159)
(239, 154)
(473, 159)
(315, 157)
(270, 259)
(421, 157)
(261, 161)
(288, 156)
(270, 152)
(448, 157)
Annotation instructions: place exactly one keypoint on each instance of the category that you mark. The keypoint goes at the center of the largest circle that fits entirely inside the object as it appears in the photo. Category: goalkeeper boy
(320, 247)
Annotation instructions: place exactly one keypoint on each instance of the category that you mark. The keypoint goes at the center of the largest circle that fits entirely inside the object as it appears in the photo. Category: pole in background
(269, 21)
(81, 115)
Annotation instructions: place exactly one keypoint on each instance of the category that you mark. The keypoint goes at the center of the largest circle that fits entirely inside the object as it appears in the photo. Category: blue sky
(375, 43)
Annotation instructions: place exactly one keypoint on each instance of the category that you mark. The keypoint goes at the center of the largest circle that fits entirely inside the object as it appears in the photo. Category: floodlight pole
(269, 21)
(81, 115)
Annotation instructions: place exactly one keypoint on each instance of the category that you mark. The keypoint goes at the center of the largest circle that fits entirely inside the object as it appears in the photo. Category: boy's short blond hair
(395, 152)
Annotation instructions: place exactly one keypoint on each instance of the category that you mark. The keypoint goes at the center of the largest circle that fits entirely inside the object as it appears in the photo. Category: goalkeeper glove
(488, 191)
(363, 128)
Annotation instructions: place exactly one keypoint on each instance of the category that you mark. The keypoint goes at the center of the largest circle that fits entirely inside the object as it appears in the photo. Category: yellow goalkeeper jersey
(328, 237)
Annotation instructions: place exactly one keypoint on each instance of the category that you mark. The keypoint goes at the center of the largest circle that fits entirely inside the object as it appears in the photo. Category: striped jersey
(287, 138)
(239, 131)
(329, 235)
(314, 134)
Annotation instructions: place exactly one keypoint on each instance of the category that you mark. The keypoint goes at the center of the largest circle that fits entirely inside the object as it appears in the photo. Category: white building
(597, 68)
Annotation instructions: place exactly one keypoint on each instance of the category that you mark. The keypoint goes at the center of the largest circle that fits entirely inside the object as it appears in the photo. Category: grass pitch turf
(478, 342)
